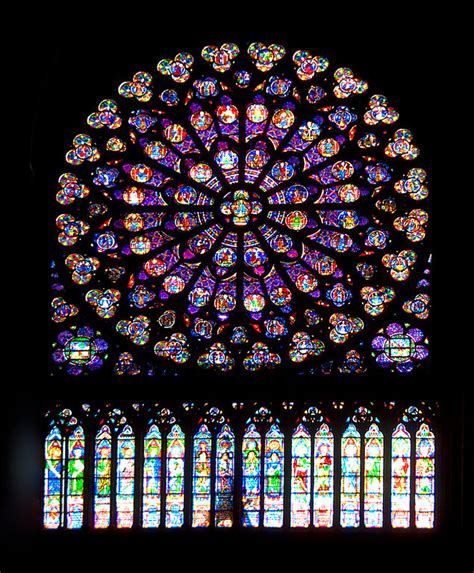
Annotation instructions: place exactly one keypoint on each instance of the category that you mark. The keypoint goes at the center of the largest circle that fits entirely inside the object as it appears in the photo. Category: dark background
(62, 66)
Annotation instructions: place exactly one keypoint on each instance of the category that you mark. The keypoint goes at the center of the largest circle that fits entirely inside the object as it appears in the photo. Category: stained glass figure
(125, 477)
(424, 477)
(202, 454)
(301, 476)
(251, 476)
(373, 477)
(53, 479)
(152, 448)
(102, 477)
(75, 480)
(245, 193)
(323, 477)
(224, 485)
(274, 472)
(401, 476)
(175, 478)
(350, 477)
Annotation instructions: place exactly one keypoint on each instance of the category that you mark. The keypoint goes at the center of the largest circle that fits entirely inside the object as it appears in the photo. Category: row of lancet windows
(309, 476)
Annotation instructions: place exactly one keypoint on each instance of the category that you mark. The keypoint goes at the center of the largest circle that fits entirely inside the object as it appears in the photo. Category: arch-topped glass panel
(224, 486)
(202, 468)
(274, 473)
(152, 449)
(323, 477)
(401, 477)
(301, 476)
(350, 477)
(424, 477)
(251, 476)
(102, 477)
(125, 477)
(175, 477)
(75, 479)
(373, 477)
(53, 479)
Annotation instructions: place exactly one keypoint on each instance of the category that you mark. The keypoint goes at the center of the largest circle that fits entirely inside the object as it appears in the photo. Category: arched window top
(242, 209)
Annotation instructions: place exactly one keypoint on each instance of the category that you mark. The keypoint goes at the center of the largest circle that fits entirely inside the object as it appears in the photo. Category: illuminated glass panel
(152, 478)
(274, 475)
(251, 476)
(53, 486)
(202, 454)
(225, 478)
(125, 477)
(373, 477)
(350, 477)
(175, 478)
(301, 478)
(323, 477)
(401, 470)
(231, 200)
(424, 477)
(75, 480)
(102, 477)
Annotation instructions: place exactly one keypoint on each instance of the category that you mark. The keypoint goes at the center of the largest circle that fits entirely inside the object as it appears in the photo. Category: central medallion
(240, 208)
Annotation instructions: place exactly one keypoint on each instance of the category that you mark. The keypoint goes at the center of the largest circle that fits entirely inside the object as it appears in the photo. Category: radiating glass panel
(274, 477)
(53, 482)
(225, 478)
(151, 478)
(373, 477)
(175, 478)
(251, 475)
(300, 478)
(202, 456)
(75, 480)
(125, 477)
(424, 477)
(323, 477)
(350, 477)
(102, 477)
(401, 472)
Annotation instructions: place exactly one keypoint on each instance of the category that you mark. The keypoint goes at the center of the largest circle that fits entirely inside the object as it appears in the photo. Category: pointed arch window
(103, 478)
(401, 472)
(202, 453)
(174, 491)
(63, 505)
(424, 484)
(251, 476)
(225, 476)
(125, 477)
(312, 493)
(274, 477)
(151, 512)
(350, 477)
(373, 477)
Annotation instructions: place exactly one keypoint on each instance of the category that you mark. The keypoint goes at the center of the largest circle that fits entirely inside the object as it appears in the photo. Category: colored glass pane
(350, 477)
(152, 478)
(251, 477)
(175, 478)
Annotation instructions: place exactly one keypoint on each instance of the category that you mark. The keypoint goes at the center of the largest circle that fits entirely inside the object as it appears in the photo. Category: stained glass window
(175, 477)
(301, 476)
(373, 477)
(75, 480)
(350, 477)
(102, 477)
(401, 476)
(151, 513)
(225, 478)
(323, 477)
(202, 477)
(274, 477)
(53, 480)
(125, 477)
(424, 480)
(241, 208)
(214, 484)
(251, 476)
